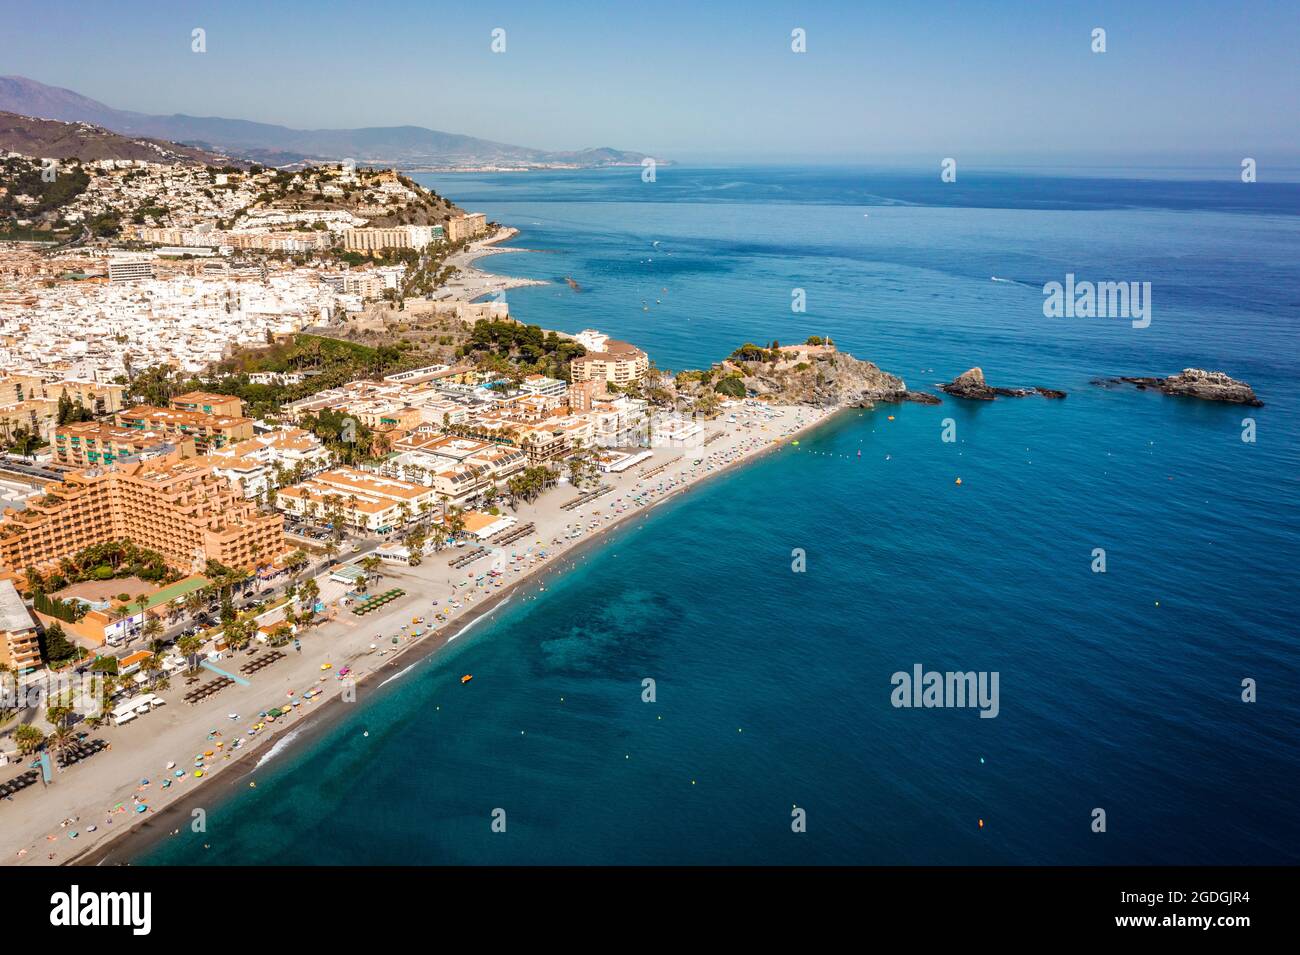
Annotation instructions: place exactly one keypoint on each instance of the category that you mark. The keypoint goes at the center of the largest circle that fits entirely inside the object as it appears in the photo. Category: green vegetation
(752, 352)
(103, 562)
(326, 363)
(733, 386)
(350, 441)
(23, 177)
(518, 350)
(531, 482)
(69, 611)
(56, 649)
(24, 442)
(72, 411)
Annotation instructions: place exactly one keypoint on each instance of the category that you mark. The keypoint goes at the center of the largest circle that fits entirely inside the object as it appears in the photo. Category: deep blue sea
(1120, 691)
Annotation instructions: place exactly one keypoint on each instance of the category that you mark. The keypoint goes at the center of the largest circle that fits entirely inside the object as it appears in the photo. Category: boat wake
(278, 748)
(1010, 281)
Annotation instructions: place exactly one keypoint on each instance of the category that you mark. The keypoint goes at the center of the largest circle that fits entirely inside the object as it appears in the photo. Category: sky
(998, 82)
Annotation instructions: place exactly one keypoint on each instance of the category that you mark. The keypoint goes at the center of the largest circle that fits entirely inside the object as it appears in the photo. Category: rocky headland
(1194, 383)
(971, 385)
(814, 373)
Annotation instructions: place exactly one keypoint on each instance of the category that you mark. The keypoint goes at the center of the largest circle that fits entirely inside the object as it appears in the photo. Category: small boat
(466, 678)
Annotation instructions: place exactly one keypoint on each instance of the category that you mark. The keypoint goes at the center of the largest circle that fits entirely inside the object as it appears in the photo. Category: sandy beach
(470, 282)
(95, 803)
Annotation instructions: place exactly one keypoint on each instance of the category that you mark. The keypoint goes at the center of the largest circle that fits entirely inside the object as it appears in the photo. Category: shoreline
(143, 831)
(471, 283)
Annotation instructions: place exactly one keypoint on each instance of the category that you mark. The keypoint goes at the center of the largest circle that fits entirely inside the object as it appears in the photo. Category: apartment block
(618, 364)
(179, 508)
(365, 500)
(208, 431)
(36, 415)
(19, 647)
(466, 226)
(398, 237)
(255, 465)
(96, 397)
(92, 443)
(129, 270)
(208, 403)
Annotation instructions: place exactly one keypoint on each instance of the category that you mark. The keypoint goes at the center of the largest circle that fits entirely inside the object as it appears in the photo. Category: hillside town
(234, 401)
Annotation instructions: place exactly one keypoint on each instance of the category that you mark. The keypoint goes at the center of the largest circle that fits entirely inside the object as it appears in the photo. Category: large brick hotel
(178, 508)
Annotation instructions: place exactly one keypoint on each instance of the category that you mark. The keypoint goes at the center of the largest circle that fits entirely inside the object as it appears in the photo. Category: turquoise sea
(1120, 691)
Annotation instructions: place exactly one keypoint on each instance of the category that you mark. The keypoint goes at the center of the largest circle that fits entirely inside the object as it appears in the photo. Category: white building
(252, 464)
(368, 501)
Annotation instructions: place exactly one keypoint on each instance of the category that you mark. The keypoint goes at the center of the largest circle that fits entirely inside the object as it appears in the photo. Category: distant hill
(54, 139)
(409, 147)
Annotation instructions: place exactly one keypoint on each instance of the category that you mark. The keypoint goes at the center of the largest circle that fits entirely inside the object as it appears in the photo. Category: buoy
(959, 480)
(252, 785)
(981, 823)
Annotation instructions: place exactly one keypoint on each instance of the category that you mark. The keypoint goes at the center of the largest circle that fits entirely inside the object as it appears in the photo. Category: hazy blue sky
(996, 81)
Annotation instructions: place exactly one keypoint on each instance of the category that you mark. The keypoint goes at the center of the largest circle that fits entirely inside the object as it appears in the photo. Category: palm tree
(238, 634)
(61, 739)
(28, 738)
(151, 668)
(57, 714)
(189, 646)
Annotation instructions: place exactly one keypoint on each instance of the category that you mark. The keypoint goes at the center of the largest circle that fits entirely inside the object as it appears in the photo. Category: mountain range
(408, 147)
(55, 139)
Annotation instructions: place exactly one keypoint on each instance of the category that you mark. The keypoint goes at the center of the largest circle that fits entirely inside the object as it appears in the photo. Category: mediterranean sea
(1119, 691)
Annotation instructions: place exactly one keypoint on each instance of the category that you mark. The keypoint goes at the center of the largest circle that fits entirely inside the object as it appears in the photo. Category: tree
(151, 668)
(414, 544)
(24, 443)
(707, 403)
(455, 522)
(57, 647)
(56, 714)
(732, 387)
(308, 592)
(62, 737)
(189, 646)
(439, 537)
(28, 738)
(239, 633)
